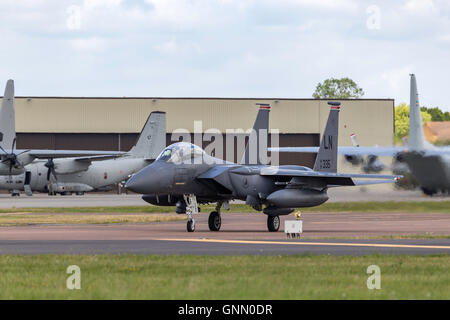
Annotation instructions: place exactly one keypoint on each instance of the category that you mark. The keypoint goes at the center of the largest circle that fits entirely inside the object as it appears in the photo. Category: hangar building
(114, 123)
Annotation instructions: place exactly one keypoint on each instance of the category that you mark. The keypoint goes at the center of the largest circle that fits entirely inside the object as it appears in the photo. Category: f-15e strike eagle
(184, 175)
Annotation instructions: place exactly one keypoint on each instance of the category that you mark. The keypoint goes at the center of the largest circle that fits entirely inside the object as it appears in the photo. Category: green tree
(437, 114)
(344, 88)
(402, 120)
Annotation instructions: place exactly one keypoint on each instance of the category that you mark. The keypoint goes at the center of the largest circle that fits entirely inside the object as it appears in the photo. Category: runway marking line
(348, 244)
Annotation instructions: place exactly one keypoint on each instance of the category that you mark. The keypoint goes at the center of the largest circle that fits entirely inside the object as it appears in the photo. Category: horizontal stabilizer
(368, 182)
(275, 171)
(329, 178)
(361, 151)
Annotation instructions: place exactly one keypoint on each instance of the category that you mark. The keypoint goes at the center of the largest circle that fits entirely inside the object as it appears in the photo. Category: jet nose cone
(136, 183)
(152, 179)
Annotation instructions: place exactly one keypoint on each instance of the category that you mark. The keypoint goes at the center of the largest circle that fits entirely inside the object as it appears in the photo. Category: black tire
(190, 226)
(273, 223)
(214, 221)
(429, 192)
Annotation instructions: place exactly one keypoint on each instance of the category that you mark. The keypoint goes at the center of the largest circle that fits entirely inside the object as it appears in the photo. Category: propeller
(11, 158)
(51, 169)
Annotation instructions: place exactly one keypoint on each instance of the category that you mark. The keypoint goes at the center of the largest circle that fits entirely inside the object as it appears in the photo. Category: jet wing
(218, 179)
(47, 154)
(97, 158)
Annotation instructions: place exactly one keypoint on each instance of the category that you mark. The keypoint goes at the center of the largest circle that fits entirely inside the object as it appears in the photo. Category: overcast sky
(225, 48)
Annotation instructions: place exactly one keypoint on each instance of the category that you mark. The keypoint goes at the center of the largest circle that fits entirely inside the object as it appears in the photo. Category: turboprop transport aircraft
(12, 160)
(84, 174)
(184, 175)
(430, 165)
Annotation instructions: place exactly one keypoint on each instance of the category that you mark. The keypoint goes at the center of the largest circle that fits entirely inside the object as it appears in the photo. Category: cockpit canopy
(181, 152)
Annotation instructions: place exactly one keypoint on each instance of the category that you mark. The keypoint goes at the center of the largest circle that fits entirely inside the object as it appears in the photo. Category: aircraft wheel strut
(214, 221)
(273, 223)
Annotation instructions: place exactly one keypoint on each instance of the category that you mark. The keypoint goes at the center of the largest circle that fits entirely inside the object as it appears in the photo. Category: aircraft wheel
(273, 223)
(191, 225)
(214, 221)
(428, 192)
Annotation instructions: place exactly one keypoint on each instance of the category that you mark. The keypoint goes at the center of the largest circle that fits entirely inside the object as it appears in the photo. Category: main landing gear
(215, 220)
(273, 223)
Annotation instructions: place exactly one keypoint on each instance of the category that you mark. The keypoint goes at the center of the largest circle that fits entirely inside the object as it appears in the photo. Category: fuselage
(211, 180)
(431, 171)
(99, 174)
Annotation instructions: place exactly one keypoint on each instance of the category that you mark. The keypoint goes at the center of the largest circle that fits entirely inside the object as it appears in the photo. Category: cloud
(89, 44)
(421, 7)
(396, 77)
(228, 48)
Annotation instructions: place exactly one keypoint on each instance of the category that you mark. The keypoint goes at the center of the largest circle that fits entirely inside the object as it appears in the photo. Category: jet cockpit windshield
(181, 152)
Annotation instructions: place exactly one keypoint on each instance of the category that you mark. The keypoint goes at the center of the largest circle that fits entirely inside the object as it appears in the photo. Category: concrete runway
(113, 200)
(242, 233)
(223, 247)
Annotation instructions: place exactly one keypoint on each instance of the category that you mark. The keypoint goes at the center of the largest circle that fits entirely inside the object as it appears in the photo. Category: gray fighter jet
(12, 160)
(184, 175)
(84, 174)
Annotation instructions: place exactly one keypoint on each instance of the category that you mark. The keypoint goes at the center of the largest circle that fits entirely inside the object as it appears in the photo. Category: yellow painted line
(379, 245)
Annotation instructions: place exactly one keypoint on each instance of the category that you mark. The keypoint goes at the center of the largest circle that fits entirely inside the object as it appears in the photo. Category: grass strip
(371, 206)
(224, 277)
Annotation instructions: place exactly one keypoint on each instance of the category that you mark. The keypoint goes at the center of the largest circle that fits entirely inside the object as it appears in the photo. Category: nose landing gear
(191, 208)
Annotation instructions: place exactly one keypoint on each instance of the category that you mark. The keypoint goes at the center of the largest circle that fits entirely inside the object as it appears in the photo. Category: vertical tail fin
(7, 118)
(252, 150)
(416, 137)
(326, 159)
(152, 139)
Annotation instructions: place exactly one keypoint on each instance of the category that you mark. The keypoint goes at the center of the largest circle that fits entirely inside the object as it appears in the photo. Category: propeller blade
(54, 173)
(51, 169)
(19, 164)
(13, 145)
(3, 150)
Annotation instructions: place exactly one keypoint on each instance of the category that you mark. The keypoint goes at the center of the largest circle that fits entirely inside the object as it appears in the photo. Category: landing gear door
(26, 185)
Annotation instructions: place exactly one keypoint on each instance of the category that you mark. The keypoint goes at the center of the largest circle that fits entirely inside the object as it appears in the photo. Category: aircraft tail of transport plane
(152, 138)
(7, 121)
(416, 136)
